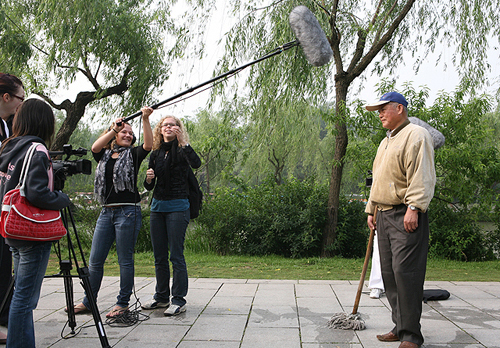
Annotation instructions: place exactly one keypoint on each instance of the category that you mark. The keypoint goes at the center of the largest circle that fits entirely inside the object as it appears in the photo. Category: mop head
(346, 322)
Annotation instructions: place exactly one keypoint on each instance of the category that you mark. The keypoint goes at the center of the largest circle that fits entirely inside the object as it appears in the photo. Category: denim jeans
(122, 224)
(168, 231)
(30, 264)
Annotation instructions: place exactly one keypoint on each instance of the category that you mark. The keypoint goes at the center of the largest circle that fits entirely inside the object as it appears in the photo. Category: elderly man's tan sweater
(403, 170)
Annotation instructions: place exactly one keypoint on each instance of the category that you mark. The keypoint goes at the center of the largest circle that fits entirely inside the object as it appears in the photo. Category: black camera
(369, 179)
(65, 168)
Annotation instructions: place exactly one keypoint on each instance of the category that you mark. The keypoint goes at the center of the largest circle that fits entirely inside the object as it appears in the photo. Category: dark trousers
(403, 259)
(6, 277)
(168, 232)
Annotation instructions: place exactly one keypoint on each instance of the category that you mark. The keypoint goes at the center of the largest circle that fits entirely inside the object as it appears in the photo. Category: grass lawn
(275, 267)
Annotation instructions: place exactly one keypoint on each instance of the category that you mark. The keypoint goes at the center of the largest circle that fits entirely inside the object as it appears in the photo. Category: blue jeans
(168, 231)
(122, 224)
(30, 264)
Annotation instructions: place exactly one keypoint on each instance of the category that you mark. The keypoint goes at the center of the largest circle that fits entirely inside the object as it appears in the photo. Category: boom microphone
(311, 37)
(437, 137)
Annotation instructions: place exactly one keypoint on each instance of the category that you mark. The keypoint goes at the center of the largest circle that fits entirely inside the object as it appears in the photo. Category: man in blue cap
(403, 186)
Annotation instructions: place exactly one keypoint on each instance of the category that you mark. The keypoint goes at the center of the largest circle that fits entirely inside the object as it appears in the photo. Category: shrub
(352, 230)
(286, 220)
(455, 235)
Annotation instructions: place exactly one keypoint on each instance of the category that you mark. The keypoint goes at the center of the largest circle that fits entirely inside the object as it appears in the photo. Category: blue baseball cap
(387, 98)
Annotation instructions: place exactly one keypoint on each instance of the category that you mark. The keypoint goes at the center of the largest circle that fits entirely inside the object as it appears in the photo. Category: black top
(127, 196)
(3, 134)
(177, 176)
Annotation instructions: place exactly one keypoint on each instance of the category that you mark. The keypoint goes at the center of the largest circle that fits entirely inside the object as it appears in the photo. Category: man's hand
(411, 220)
(372, 224)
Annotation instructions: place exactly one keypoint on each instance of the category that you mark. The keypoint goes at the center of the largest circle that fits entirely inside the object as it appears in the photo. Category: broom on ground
(354, 321)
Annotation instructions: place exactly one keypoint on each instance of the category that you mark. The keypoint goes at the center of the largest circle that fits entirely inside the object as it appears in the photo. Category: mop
(354, 321)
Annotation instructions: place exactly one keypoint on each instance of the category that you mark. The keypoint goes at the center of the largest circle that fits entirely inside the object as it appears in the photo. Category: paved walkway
(227, 313)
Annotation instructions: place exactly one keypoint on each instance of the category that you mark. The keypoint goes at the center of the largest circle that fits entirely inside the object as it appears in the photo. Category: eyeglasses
(169, 125)
(18, 97)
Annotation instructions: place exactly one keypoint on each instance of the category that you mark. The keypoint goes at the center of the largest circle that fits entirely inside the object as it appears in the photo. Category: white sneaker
(375, 293)
(174, 310)
(153, 304)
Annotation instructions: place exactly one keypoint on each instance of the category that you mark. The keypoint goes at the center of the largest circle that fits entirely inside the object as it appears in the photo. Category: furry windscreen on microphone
(311, 37)
(437, 137)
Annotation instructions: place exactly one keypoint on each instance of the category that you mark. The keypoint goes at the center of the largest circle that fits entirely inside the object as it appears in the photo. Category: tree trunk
(74, 113)
(341, 141)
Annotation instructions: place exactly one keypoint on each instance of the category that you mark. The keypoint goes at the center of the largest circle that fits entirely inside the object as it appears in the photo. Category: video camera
(65, 168)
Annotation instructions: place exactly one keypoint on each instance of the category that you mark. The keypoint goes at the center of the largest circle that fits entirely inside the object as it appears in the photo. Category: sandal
(79, 309)
(117, 310)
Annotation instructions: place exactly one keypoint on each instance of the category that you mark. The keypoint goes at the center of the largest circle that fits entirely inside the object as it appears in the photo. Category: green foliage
(352, 231)
(285, 220)
(456, 236)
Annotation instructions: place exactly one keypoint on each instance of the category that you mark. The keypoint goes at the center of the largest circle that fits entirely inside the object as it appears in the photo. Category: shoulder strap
(26, 165)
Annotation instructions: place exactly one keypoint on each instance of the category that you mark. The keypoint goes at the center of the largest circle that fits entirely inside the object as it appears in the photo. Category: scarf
(123, 172)
(166, 159)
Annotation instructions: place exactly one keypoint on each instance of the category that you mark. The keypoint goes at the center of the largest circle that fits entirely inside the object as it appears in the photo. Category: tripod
(83, 273)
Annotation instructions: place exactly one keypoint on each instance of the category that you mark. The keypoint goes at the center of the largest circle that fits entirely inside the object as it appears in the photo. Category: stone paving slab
(240, 313)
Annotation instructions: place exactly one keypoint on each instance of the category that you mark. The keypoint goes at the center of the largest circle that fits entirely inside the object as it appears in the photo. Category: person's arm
(149, 182)
(421, 177)
(146, 128)
(191, 156)
(104, 139)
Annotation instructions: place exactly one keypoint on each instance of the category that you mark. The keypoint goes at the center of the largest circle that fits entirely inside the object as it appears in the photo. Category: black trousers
(403, 259)
(6, 277)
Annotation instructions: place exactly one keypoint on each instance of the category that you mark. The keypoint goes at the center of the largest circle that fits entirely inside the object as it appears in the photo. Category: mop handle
(365, 265)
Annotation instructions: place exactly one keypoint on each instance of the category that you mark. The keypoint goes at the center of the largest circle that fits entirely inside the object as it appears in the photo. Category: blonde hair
(158, 137)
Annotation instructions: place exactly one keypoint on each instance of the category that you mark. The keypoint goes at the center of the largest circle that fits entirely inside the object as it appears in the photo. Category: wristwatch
(412, 207)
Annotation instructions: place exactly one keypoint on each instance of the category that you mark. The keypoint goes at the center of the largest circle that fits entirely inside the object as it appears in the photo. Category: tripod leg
(8, 294)
(66, 267)
(84, 276)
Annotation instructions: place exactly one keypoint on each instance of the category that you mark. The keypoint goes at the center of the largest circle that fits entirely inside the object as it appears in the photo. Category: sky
(437, 78)
(192, 72)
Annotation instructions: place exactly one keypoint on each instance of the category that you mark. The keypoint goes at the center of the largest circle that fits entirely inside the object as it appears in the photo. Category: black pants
(403, 259)
(6, 277)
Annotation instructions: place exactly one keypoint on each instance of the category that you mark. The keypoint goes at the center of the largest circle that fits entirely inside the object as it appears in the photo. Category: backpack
(435, 295)
(195, 195)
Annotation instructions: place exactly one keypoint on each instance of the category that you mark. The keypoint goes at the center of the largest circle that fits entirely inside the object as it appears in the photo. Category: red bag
(22, 220)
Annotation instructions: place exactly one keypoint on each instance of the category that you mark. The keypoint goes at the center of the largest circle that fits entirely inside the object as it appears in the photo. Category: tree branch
(378, 45)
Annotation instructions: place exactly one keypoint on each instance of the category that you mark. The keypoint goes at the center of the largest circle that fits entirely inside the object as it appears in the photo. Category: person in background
(11, 97)
(376, 283)
(120, 220)
(33, 122)
(403, 186)
(169, 165)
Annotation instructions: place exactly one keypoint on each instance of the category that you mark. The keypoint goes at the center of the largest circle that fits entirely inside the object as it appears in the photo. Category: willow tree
(366, 37)
(111, 54)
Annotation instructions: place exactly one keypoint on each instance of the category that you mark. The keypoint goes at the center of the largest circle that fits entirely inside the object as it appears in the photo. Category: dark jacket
(37, 180)
(9, 125)
(177, 186)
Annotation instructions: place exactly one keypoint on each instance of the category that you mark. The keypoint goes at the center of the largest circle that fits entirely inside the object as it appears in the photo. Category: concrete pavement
(241, 313)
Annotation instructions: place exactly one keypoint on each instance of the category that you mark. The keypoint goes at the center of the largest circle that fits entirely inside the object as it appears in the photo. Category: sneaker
(153, 304)
(174, 310)
(375, 293)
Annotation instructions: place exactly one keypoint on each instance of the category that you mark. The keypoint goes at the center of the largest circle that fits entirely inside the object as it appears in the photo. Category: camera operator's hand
(150, 175)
